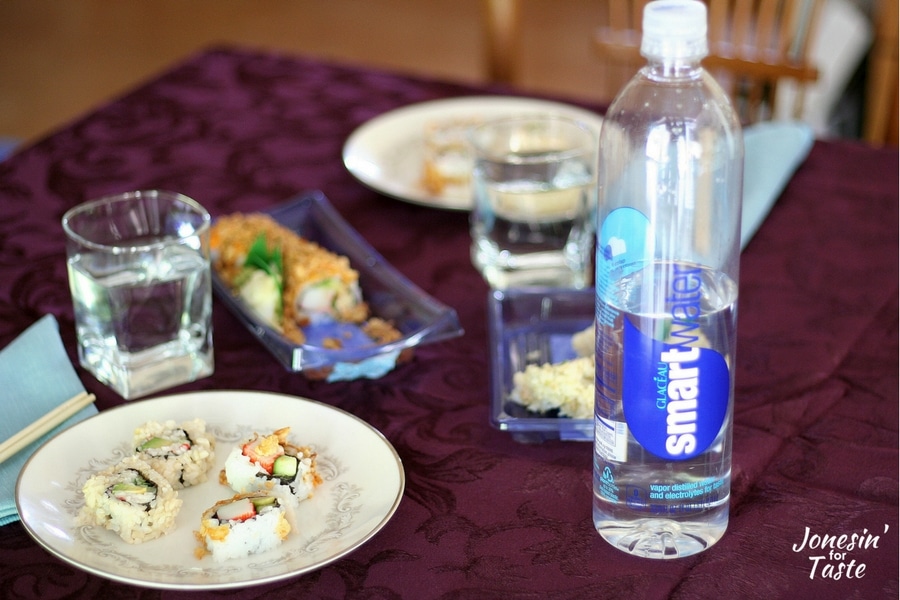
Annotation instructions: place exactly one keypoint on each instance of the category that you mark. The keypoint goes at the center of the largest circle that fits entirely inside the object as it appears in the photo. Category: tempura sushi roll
(182, 453)
(261, 260)
(270, 463)
(243, 525)
(131, 499)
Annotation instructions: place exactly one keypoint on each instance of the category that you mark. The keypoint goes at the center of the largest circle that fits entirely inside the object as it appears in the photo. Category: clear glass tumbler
(534, 183)
(139, 273)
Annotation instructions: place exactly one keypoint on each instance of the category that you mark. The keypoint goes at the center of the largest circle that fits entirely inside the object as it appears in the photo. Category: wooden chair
(880, 125)
(753, 45)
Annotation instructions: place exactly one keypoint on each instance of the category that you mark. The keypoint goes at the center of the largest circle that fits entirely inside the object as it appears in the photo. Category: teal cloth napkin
(772, 152)
(35, 377)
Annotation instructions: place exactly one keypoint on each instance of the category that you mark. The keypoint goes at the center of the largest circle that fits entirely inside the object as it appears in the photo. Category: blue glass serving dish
(534, 326)
(420, 318)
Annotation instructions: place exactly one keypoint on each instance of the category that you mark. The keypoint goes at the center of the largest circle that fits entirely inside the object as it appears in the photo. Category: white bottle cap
(674, 29)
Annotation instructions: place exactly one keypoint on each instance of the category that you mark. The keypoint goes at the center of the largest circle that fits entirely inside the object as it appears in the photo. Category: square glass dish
(534, 326)
(420, 318)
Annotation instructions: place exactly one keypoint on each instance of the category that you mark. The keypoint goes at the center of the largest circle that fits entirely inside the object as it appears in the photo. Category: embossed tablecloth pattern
(816, 416)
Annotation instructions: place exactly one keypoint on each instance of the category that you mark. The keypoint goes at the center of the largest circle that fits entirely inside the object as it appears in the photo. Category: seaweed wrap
(131, 499)
(243, 525)
(287, 280)
(182, 453)
(271, 464)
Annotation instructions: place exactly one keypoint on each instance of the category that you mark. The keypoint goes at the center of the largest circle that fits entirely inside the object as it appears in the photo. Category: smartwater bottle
(670, 180)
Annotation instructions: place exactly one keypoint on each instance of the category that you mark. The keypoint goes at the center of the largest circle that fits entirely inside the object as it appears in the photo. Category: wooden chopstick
(41, 426)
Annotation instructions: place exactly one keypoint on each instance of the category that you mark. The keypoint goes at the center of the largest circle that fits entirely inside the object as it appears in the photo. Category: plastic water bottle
(670, 181)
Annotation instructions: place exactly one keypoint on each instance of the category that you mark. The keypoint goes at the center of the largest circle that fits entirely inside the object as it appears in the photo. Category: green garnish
(261, 282)
(271, 262)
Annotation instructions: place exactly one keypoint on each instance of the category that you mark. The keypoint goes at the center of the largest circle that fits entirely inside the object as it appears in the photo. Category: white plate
(362, 487)
(386, 153)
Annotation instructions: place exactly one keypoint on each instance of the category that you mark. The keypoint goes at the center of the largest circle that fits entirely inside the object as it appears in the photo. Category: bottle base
(660, 538)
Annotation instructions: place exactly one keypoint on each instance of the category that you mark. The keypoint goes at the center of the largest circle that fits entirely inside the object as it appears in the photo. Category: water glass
(139, 274)
(535, 198)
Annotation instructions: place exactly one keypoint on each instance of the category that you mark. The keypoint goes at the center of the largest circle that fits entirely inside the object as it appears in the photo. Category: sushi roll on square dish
(182, 453)
(131, 499)
(269, 463)
(287, 280)
(243, 525)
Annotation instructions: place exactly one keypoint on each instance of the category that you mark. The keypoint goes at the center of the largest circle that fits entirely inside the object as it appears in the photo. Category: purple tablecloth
(816, 417)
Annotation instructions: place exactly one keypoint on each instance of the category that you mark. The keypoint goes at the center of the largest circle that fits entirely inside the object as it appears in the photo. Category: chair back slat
(741, 24)
(503, 44)
(772, 29)
(717, 17)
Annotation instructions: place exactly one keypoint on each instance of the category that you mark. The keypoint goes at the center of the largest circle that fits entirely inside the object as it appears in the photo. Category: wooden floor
(61, 58)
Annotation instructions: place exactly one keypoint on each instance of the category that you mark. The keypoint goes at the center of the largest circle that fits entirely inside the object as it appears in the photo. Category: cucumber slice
(263, 501)
(285, 466)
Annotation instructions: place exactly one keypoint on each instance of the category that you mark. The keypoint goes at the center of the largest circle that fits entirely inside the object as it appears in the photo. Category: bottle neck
(678, 68)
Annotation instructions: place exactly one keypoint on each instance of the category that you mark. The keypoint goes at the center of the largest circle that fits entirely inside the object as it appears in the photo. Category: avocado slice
(154, 442)
(129, 488)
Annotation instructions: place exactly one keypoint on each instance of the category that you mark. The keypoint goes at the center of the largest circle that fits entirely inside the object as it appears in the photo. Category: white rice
(228, 540)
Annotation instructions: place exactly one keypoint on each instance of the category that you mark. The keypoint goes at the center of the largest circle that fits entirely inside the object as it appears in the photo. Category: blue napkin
(36, 377)
(772, 152)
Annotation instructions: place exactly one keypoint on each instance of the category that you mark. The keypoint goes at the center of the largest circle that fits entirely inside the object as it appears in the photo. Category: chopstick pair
(44, 424)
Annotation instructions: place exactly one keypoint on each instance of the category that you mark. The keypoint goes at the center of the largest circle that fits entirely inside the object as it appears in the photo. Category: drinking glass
(534, 183)
(139, 273)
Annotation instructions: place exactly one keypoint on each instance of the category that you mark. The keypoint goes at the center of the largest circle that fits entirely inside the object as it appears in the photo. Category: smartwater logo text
(674, 393)
(682, 392)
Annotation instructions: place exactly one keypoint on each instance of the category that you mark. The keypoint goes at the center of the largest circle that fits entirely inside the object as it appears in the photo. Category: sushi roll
(182, 453)
(243, 525)
(271, 464)
(447, 157)
(287, 280)
(131, 499)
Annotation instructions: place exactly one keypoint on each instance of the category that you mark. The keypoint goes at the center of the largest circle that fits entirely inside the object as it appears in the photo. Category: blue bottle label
(674, 397)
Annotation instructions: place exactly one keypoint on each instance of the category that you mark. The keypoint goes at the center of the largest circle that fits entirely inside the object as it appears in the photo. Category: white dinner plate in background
(387, 152)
